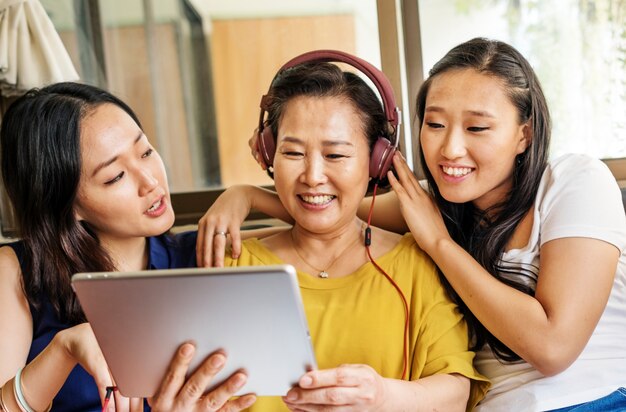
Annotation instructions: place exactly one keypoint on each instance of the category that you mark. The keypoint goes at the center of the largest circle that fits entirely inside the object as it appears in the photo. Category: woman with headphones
(533, 249)
(385, 334)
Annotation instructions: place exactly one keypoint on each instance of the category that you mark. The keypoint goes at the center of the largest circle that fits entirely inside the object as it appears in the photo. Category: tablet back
(254, 314)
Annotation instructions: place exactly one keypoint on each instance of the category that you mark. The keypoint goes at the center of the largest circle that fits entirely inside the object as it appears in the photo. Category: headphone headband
(374, 74)
(383, 150)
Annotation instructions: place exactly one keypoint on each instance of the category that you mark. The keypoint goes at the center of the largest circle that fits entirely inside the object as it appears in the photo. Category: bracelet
(19, 396)
(3, 408)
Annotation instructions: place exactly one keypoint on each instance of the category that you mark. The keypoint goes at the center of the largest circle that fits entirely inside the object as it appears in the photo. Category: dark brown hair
(485, 233)
(41, 168)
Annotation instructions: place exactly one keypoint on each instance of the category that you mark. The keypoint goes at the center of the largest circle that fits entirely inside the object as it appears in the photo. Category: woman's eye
(434, 125)
(147, 153)
(115, 179)
(292, 154)
(477, 129)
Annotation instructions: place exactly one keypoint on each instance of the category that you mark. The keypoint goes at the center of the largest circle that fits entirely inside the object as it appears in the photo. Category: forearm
(41, 379)
(266, 201)
(263, 232)
(441, 392)
(500, 309)
(386, 213)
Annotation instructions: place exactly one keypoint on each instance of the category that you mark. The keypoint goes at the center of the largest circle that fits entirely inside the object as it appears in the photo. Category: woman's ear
(77, 215)
(525, 136)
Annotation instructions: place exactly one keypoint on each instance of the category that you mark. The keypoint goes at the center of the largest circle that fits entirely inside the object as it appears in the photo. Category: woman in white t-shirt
(532, 250)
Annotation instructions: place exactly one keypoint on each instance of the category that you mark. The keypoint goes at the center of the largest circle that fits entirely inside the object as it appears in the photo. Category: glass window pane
(577, 48)
(195, 70)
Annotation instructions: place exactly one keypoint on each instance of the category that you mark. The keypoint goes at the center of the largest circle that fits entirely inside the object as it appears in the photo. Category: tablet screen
(254, 314)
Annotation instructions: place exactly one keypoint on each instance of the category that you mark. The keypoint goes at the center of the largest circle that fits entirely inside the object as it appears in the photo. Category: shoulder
(575, 161)
(183, 240)
(407, 258)
(408, 249)
(173, 250)
(10, 273)
(16, 319)
(384, 241)
(10, 262)
(576, 177)
(577, 169)
(579, 197)
(253, 252)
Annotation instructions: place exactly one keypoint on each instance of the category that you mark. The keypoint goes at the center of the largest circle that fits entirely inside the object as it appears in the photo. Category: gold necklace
(323, 273)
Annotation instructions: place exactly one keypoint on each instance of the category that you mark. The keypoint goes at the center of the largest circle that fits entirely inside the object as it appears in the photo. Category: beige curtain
(31, 51)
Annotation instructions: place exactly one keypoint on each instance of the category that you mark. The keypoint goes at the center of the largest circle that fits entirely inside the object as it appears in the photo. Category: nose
(453, 146)
(314, 172)
(147, 181)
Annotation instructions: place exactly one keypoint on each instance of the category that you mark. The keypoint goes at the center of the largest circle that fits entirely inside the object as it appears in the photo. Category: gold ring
(219, 232)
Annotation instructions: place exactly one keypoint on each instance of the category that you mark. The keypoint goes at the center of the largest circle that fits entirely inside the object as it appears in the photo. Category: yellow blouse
(359, 318)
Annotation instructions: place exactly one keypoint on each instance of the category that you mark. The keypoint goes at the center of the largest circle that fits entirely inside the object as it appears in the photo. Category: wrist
(248, 196)
(438, 246)
(8, 402)
(401, 395)
(386, 395)
(61, 347)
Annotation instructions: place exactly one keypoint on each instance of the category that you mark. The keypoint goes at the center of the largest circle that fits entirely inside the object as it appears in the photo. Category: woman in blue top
(90, 194)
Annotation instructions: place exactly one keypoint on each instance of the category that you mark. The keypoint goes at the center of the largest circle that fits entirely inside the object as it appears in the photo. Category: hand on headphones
(253, 142)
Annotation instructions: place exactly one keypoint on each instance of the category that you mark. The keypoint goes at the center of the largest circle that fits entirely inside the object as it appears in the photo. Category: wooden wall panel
(128, 71)
(246, 55)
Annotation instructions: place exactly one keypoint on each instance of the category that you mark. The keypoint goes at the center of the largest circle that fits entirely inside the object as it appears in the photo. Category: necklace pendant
(323, 274)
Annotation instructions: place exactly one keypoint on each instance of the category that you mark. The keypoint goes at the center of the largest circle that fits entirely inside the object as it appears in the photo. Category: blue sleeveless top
(79, 392)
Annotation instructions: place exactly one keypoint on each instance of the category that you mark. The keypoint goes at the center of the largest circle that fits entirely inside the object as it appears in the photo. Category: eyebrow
(290, 139)
(480, 113)
(114, 158)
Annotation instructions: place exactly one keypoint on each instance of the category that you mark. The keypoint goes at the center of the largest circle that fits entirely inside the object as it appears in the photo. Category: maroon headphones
(383, 151)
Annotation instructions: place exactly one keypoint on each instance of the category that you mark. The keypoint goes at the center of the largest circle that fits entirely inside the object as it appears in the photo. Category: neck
(128, 254)
(307, 240)
(323, 253)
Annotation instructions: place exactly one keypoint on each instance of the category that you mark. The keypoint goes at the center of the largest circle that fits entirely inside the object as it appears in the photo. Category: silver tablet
(254, 314)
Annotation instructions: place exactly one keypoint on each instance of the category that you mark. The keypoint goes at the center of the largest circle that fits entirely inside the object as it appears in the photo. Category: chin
(455, 197)
(162, 225)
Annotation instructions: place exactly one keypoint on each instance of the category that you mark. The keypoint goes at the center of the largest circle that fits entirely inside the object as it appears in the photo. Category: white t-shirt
(578, 197)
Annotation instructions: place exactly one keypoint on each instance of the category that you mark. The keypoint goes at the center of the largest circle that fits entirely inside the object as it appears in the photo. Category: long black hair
(41, 169)
(485, 233)
(328, 80)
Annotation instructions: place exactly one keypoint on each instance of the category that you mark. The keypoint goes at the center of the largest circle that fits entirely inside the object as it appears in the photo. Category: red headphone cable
(107, 397)
(368, 242)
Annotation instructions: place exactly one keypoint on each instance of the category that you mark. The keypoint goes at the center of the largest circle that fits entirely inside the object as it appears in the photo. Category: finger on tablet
(201, 378)
(220, 395)
(175, 375)
(239, 403)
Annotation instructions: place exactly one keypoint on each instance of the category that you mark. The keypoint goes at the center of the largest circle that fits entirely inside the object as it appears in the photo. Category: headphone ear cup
(267, 147)
(381, 158)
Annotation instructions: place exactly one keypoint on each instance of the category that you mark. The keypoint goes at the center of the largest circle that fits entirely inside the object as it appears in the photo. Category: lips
(456, 171)
(157, 208)
(317, 200)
